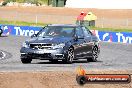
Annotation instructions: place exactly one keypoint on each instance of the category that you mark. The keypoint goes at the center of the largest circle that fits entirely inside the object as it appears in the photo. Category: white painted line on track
(2, 55)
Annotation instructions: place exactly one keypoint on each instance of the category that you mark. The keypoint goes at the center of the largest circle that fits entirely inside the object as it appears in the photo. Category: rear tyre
(26, 60)
(70, 56)
(94, 55)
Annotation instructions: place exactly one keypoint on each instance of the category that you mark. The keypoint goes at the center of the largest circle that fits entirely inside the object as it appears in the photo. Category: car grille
(40, 46)
(45, 55)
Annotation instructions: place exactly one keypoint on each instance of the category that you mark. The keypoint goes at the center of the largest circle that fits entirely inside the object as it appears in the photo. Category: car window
(62, 31)
(68, 31)
(87, 33)
(41, 33)
(79, 32)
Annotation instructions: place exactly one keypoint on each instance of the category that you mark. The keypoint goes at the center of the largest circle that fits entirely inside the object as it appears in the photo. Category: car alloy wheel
(95, 54)
(70, 55)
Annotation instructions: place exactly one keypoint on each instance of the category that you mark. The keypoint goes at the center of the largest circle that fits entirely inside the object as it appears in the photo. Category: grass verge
(112, 29)
(21, 23)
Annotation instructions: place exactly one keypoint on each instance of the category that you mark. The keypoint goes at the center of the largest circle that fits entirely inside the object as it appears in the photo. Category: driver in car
(55, 32)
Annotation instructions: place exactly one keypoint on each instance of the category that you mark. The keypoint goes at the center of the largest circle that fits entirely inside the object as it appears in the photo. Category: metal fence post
(127, 22)
(15, 17)
(36, 19)
(102, 23)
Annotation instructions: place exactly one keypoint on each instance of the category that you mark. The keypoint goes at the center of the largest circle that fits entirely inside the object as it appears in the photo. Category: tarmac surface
(113, 56)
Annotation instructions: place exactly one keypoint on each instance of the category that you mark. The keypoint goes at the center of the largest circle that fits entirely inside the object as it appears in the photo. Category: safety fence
(122, 37)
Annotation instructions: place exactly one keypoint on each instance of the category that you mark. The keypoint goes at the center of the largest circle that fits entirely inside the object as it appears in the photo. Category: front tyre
(94, 55)
(26, 60)
(70, 56)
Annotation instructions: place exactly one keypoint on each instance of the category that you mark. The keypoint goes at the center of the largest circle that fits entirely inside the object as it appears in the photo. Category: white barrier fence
(123, 37)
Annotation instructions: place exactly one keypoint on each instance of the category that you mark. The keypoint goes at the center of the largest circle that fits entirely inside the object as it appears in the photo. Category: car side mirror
(34, 35)
(78, 37)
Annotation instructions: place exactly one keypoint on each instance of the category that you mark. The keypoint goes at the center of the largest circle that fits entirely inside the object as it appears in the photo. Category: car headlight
(57, 46)
(25, 45)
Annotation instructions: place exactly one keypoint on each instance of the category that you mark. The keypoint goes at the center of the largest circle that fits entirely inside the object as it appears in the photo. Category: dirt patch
(51, 80)
(105, 13)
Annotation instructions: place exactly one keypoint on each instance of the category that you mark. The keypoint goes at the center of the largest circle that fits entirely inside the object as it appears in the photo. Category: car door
(79, 47)
(88, 43)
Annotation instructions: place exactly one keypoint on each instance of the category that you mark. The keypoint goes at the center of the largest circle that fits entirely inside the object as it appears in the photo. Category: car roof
(69, 25)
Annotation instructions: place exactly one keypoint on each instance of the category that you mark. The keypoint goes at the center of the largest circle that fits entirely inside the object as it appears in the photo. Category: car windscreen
(57, 31)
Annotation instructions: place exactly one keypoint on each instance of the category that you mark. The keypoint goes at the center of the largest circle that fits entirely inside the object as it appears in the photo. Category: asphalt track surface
(113, 56)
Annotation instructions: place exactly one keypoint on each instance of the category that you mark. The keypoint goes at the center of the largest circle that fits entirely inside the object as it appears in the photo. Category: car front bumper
(45, 54)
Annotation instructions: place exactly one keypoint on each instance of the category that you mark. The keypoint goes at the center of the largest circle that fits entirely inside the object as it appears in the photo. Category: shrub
(37, 2)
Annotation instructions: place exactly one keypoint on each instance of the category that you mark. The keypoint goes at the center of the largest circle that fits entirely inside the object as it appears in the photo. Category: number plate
(39, 52)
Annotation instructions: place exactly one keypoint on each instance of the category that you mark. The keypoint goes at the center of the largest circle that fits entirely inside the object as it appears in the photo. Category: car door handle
(85, 41)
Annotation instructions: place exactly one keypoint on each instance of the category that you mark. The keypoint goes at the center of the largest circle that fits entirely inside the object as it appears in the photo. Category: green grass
(112, 29)
(28, 1)
(21, 23)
